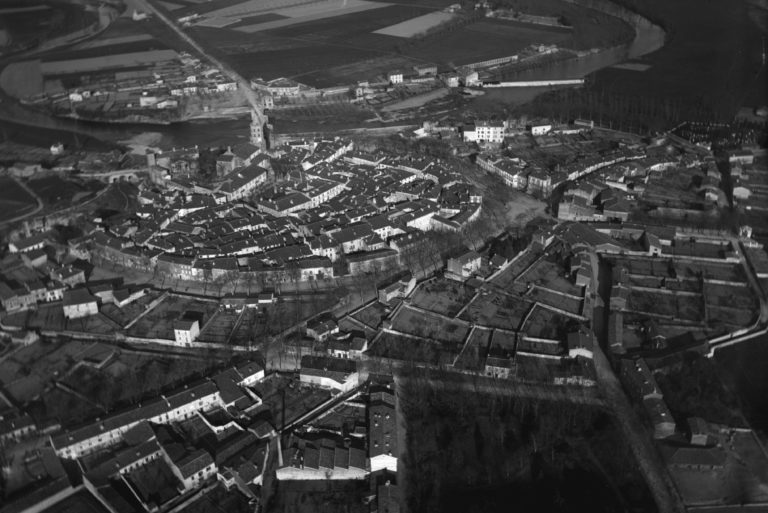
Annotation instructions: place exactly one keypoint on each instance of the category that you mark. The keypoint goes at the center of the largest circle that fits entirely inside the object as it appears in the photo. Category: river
(14, 118)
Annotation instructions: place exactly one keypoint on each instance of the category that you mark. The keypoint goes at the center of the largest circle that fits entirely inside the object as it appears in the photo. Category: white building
(79, 303)
(329, 372)
(185, 331)
(395, 77)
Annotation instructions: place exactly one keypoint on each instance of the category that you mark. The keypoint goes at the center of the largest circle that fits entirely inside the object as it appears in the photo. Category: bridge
(122, 175)
(254, 100)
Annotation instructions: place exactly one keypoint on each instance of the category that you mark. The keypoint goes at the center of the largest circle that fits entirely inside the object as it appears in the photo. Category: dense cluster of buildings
(160, 81)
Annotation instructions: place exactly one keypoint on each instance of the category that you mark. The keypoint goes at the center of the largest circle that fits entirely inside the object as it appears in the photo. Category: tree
(206, 163)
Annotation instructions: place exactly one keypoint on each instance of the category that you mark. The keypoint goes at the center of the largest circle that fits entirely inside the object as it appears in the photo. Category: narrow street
(648, 459)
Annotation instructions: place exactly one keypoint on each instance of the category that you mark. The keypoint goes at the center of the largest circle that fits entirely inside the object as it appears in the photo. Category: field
(416, 26)
(484, 40)
(426, 325)
(14, 200)
(324, 43)
(442, 296)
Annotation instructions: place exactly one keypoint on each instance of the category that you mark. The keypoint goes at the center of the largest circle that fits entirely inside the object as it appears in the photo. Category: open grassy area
(322, 43)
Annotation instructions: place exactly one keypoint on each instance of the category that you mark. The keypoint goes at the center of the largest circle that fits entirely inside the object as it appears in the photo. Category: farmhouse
(464, 265)
(79, 303)
(327, 372)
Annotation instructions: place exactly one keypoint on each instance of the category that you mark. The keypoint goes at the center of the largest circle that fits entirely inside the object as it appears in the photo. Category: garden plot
(217, 330)
(371, 315)
(496, 310)
(442, 296)
(398, 347)
(510, 274)
(549, 275)
(427, 325)
(158, 323)
(688, 307)
(563, 302)
(544, 323)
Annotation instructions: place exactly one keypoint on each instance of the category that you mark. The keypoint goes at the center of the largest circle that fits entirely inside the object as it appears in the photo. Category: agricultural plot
(550, 276)
(124, 315)
(496, 310)
(416, 26)
(544, 323)
(158, 323)
(442, 296)
(687, 307)
(407, 349)
(472, 356)
(372, 314)
(568, 303)
(426, 325)
(218, 329)
(484, 40)
(510, 274)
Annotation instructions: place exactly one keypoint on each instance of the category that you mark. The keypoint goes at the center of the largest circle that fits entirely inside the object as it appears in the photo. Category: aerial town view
(364, 256)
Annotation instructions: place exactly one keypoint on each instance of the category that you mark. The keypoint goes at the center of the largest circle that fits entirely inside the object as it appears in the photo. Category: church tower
(257, 129)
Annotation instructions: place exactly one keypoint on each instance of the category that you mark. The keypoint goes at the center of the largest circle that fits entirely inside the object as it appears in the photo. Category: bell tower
(257, 129)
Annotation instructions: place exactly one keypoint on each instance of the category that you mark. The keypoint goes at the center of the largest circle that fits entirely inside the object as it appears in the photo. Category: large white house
(327, 372)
